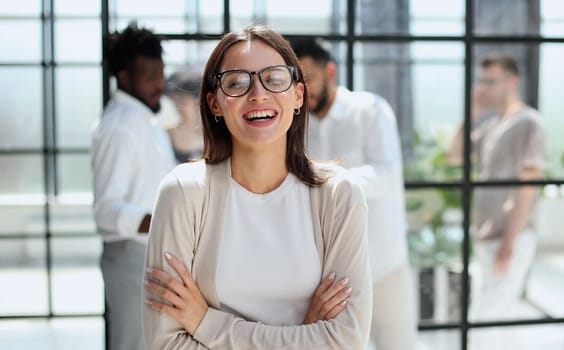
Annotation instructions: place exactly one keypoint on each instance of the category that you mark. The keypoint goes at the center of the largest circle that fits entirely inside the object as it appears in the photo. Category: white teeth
(259, 115)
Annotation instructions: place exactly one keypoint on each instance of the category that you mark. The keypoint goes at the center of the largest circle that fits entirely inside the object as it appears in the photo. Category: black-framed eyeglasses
(237, 82)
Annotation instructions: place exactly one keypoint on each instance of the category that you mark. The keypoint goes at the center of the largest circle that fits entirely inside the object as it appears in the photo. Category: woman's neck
(259, 171)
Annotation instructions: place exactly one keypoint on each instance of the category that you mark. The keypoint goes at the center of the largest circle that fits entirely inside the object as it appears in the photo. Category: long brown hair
(217, 139)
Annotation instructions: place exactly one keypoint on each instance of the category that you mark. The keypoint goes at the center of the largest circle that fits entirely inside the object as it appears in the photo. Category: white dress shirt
(130, 155)
(360, 130)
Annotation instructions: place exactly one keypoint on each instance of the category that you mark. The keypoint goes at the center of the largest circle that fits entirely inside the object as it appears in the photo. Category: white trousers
(497, 294)
(394, 324)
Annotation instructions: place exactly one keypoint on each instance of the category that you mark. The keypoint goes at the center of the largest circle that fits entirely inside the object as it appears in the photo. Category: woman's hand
(184, 301)
(329, 299)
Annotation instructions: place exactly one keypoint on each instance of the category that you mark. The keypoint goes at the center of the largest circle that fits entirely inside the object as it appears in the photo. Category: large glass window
(421, 56)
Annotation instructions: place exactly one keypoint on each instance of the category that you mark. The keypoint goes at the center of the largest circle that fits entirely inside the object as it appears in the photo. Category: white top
(360, 130)
(268, 267)
(189, 220)
(130, 154)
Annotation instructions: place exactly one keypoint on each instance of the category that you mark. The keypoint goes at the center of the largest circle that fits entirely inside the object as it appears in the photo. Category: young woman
(241, 240)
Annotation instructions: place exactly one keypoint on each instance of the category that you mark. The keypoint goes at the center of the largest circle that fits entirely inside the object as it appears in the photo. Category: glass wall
(422, 56)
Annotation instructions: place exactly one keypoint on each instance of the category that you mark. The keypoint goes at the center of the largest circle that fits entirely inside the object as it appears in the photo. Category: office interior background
(421, 55)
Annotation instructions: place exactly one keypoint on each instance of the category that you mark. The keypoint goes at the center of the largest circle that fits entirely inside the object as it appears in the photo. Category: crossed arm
(184, 301)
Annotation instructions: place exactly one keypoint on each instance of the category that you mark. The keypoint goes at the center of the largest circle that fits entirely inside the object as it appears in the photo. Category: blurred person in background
(360, 129)
(186, 135)
(130, 154)
(507, 145)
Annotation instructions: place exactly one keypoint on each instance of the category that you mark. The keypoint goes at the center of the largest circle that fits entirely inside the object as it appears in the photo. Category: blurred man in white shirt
(130, 154)
(359, 128)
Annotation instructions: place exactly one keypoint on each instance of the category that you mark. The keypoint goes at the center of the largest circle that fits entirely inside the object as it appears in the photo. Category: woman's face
(259, 117)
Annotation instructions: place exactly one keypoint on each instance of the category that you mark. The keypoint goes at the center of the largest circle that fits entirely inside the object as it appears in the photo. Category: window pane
(71, 212)
(435, 250)
(552, 18)
(531, 284)
(22, 103)
(79, 104)
(78, 40)
(23, 47)
(177, 17)
(157, 25)
(19, 217)
(417, 17)
(438, 340)
(23, 277)
(515, 17)
(75, 178)
(149, 8)
(551, 106)
(546, 281)
(21, 8)
(77, 8)
(519, 338)
(76, 279)
(428, 109)
(210, 17)
(22, 175)
(437, 17)
(180, 52)
(55, 333)
(315, 17)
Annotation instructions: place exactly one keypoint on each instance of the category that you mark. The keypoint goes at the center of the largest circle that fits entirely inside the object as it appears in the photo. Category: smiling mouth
(260, 115)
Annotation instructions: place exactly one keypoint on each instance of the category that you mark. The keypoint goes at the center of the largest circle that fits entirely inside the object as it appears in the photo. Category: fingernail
(146, 282)
(348, 290)
(332, 276)
(344, 303)
(148, 302)
(149, 269)
(345, 280)
(168, 256)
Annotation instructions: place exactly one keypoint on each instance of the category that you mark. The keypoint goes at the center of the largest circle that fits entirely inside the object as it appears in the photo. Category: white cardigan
(188, 222)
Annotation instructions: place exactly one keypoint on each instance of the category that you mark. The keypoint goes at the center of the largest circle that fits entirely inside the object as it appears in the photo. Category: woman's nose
(257, 90)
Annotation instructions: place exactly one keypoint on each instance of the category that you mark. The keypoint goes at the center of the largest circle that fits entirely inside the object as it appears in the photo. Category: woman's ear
(212, 104)
(299, 89)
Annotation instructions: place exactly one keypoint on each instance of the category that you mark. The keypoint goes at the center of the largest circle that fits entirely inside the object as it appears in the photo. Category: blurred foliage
(433, 214)
(427, 160)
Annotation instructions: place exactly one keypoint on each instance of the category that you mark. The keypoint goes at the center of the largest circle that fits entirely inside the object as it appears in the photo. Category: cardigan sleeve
(173, 229)
(345, 253)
